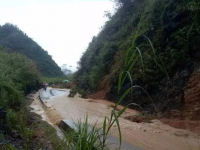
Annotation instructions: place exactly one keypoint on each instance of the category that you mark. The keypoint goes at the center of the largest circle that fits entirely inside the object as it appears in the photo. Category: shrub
(18, 76)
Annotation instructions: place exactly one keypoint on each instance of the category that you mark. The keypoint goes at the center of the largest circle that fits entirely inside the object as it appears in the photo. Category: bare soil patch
(98, 95)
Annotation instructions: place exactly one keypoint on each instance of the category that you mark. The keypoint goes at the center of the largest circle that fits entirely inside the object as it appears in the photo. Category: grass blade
(104, 126)
(131, 58)
(136, 86)
(120, 81)
(122, 97)
(133, 63)
(140, 57)
(117, 121)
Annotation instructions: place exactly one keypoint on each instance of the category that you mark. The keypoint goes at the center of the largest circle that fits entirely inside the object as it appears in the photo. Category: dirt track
(147, 136)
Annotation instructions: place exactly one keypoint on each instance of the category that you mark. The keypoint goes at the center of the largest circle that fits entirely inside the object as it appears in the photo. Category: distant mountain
(66, 69)
(13, 38)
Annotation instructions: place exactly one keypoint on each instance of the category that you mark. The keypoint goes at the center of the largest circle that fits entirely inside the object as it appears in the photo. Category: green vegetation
(18, 76)
(124, 46)
(20, 59)
(57, 81)
(136, 57)
(28, 126)
(15, 40)
(151, 42)
(92, 137)
(84, 137)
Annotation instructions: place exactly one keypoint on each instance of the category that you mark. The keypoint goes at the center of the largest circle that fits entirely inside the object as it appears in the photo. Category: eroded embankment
(47, 113)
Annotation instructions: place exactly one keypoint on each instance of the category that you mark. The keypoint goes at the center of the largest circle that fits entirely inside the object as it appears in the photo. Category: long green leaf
(120, 81)
(131, 58)
(122, 97)
(127, 55)
(136, 86)
(135, 105)
(117, 121)
(150, 44)
(133, 63)
(104, 126)
(162, 67)
(140, 57)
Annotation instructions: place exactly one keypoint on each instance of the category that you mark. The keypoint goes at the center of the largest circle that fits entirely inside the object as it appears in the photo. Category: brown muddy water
(53, 119)
(147, 136)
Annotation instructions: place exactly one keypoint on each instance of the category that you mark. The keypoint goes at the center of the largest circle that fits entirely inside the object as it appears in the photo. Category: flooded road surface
(146, 136)
(38, 108)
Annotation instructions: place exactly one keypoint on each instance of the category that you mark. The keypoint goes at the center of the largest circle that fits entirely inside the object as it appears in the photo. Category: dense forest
(14, 40)
(156, 41)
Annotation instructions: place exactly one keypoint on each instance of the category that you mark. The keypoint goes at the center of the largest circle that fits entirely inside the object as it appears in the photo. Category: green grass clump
(84, 137)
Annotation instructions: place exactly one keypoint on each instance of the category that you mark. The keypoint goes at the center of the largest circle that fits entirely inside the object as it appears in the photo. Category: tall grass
(83, 137)
(157, 59)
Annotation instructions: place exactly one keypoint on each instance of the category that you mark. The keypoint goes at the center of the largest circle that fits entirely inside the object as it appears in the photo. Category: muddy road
(146, 136)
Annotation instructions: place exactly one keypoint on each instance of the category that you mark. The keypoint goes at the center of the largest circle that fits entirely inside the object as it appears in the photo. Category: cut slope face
(188, 117)
(13, 38)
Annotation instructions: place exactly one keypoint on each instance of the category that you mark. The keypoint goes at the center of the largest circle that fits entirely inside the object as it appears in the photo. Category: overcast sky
(62, 27)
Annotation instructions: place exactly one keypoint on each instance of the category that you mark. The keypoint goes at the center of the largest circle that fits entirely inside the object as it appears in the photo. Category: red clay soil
(193, 126)
(188, 117)
(99, 95)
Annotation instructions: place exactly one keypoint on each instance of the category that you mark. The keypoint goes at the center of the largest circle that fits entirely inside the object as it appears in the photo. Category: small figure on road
(53, 86)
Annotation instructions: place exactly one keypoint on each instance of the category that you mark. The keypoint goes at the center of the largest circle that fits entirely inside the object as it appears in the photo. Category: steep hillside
(156, 41)
(13, 38)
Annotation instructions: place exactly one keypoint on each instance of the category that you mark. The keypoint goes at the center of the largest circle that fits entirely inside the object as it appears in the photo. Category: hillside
(11, 37)
(156, 41)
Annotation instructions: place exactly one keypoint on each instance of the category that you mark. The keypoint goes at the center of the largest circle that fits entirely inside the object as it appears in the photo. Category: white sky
(62, 27)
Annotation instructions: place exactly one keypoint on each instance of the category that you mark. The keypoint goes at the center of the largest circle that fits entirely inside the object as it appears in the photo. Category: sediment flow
(147, 136)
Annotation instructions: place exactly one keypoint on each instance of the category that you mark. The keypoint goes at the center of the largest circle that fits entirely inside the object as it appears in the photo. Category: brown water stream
(147, 136)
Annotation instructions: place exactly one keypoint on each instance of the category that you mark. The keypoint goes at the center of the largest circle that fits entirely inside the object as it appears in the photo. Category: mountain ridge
(11, 37)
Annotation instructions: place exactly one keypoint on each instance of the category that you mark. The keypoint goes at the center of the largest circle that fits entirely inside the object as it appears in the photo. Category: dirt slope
(188, 116)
